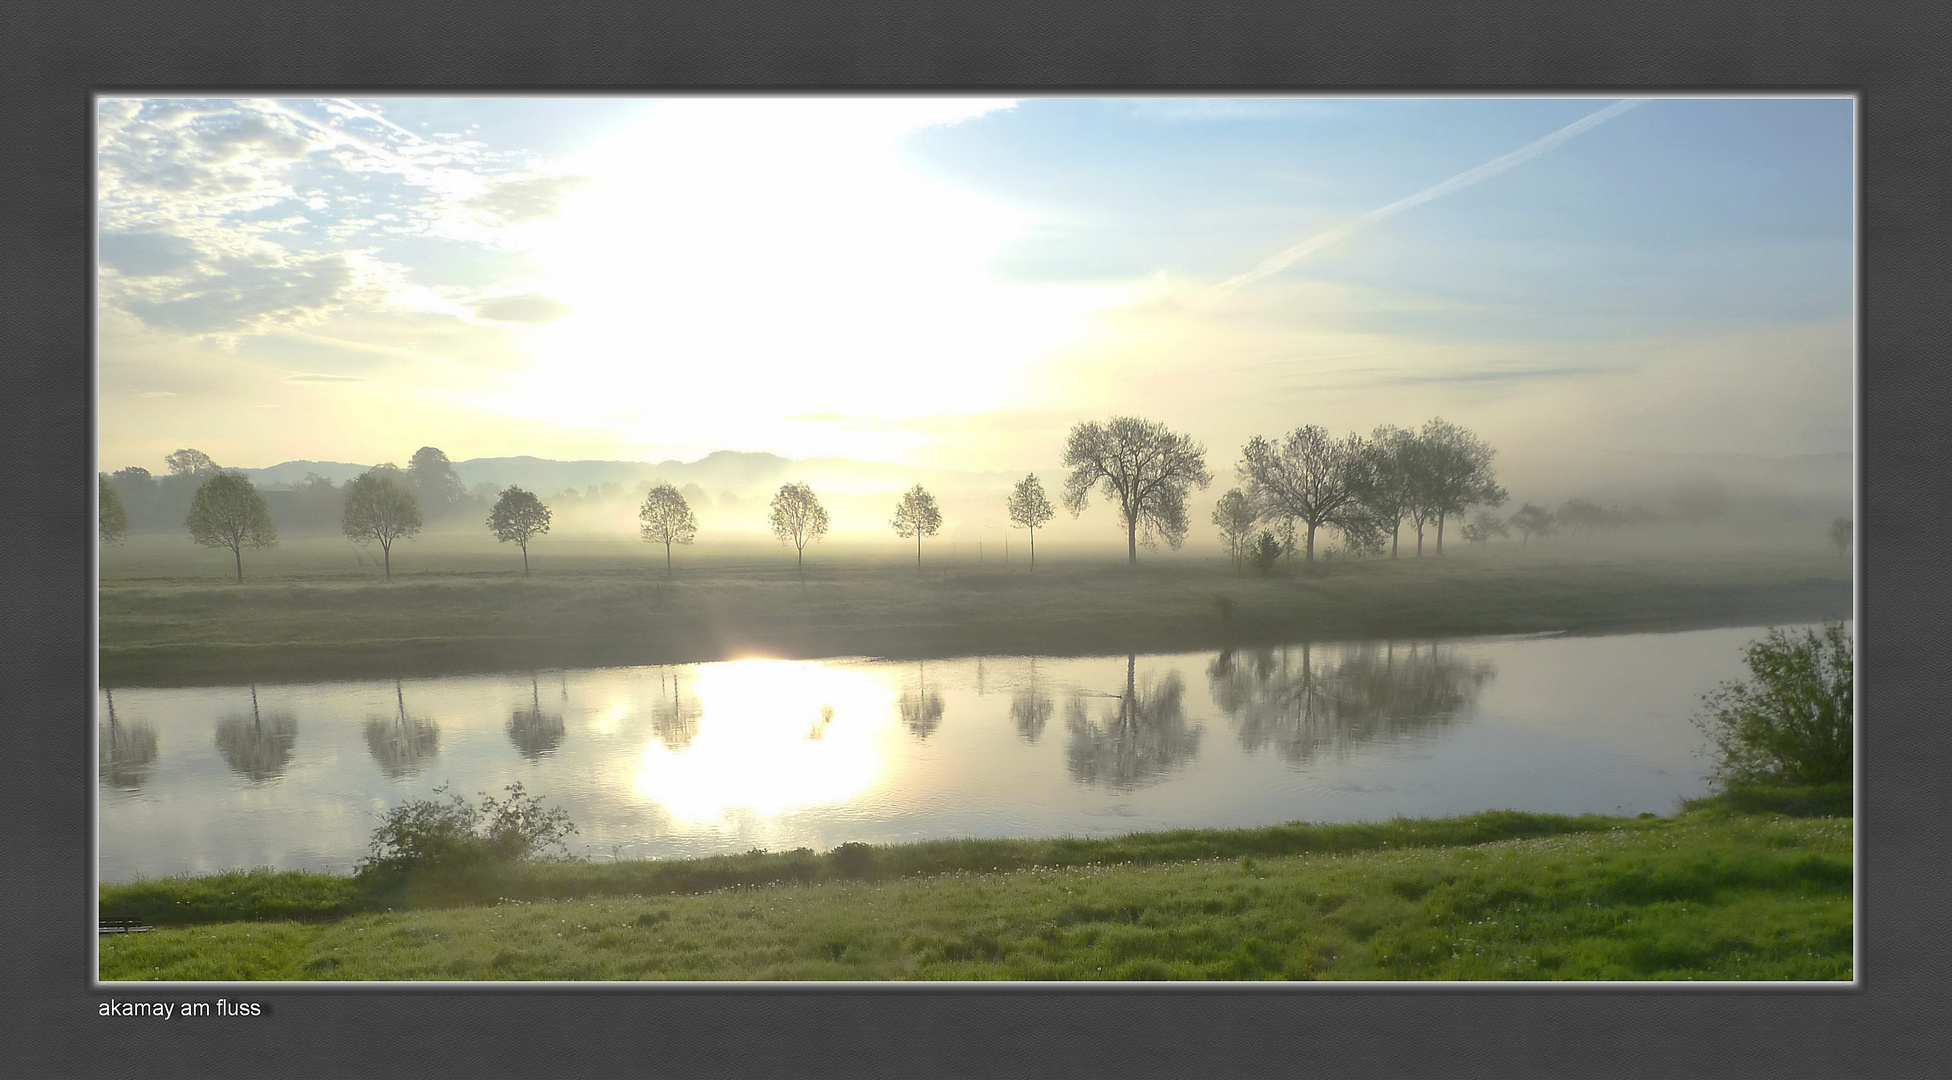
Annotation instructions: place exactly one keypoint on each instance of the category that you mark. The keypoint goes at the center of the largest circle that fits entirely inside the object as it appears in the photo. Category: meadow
(311, 609)
(1736, 887)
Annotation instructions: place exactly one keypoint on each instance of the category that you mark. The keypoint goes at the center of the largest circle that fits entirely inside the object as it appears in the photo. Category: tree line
(1368, 489)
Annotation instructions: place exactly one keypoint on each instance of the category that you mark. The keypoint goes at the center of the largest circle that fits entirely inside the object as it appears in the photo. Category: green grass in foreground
(1718, 892)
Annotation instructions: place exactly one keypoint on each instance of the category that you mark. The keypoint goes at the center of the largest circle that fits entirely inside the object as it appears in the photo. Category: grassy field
(1725, 890)
(308, 610)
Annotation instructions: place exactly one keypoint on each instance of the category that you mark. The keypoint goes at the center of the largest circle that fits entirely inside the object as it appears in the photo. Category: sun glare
(773, 736)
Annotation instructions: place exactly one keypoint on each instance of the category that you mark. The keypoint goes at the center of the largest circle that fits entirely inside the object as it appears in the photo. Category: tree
(1310, 477)
(916, 515)
(798, 518)
(1453, 473)
(1235, 515)
(518, 517)
(1791, 721)
(380, 508)
(189, 463)
(1840, 535)
(1581, 516)
(431, 478)
(139, 493)
(1483, 526)
(1264, 552)
(1384, 483)
(667, 519)
(111, 520)
(1141, 466)
(1529, 520)
(1029, 509)
(228, 512)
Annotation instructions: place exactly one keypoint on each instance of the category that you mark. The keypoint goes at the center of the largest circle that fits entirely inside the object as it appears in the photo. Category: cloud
(243, 295)
(509, 200)
(525, 309)
(146, 254)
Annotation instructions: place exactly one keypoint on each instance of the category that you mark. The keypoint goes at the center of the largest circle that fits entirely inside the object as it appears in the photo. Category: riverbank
(1755, 887)
(159, 631)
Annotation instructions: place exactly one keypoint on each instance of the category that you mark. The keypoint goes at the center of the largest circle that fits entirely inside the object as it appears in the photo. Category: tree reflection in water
(127, 751)
(534, 732)
(921, 708)
(404, 744)
(1302, 703)
(1138, 740)
(675, 722)
(1029, 709)
(257, 747)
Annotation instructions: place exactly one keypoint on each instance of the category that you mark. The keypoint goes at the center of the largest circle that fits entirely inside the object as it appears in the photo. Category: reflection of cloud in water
(1138, 740)
(257, 747)
(404, 744)
(1303, 700)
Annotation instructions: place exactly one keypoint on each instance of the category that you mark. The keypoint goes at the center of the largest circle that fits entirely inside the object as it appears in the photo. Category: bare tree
(518, 517)
(798, 518)
(228, 512)
(1386, 490)
(1483, 526)
(1453, 473)
(1141, 466)
(111, 520)
(916, 515)
(1029, 509)
(667, 519)
(1311, 477)
(380, 508)
(1235, 515)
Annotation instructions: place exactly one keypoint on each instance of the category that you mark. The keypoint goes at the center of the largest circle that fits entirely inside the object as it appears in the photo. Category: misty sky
(952, 282)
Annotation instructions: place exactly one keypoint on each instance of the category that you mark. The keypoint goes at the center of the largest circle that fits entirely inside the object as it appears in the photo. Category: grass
(1717, 892)
(311, 614)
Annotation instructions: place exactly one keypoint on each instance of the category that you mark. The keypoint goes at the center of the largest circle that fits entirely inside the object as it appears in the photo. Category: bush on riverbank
(1791, 721)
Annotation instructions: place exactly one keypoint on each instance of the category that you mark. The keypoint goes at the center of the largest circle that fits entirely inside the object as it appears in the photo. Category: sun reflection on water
(772, 736)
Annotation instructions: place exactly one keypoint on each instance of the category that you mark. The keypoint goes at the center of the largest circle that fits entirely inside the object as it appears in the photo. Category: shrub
(1790, 722)
(448, 834)
(1264, 552)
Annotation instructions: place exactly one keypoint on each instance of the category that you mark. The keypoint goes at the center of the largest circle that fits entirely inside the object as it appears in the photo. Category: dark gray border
(55, 54)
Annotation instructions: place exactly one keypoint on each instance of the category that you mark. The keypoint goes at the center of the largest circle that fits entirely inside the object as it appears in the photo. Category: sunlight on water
(773, 735)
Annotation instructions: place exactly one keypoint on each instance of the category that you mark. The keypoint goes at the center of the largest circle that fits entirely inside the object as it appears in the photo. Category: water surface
(726, 757)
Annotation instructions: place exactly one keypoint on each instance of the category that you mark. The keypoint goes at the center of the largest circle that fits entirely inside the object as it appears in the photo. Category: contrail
(1280, 261)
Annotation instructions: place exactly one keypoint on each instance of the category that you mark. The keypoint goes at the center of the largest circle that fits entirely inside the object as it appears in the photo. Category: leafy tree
(1483, 526)
(1310, 477)
(518, 517)
(455, 836)
(189, 463)
(380, 508)
(1141, 466)
(1454, 472)
(798, 518)
(228, 512)
(1579, 516)
(916, 515)
(1840, 535)
(1029, 509)
(1791, 721)
(139, 493)
(111, 520)
(1235, 515)
(431, 478)
(1264, 552)
(1530, 520)
(667, 519)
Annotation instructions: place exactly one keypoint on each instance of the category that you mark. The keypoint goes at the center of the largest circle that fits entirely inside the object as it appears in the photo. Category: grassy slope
(1714, 893)
(314, 618)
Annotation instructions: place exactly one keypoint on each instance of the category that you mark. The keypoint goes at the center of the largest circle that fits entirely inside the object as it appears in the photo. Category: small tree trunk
(1033, 549)
(386, 549)
(800, 553)
(1311, 541)
(1419, 538)
(525, 560)
(1440, 534)
(667, 558)
(918, 551)
(238, 554)
(1395, 531)
(1132, 539)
